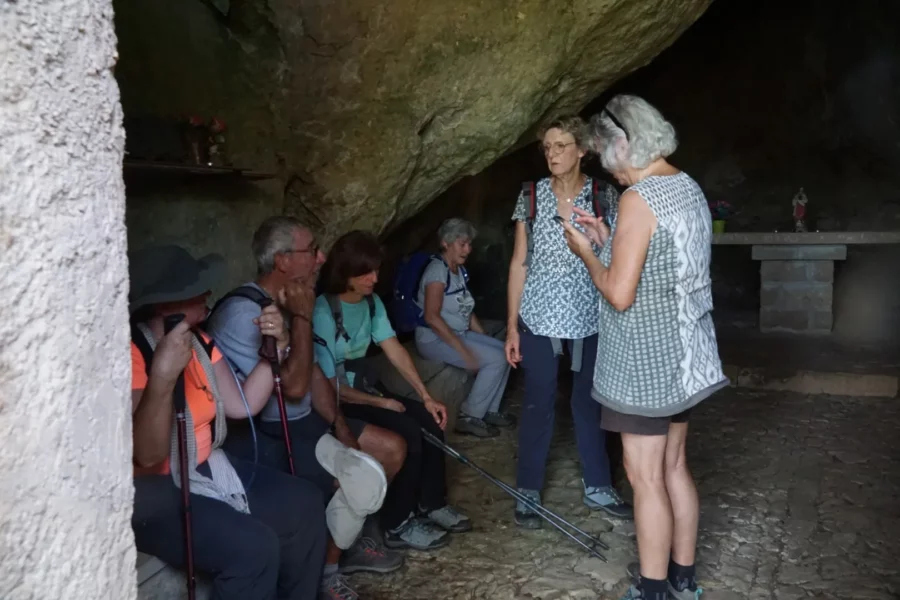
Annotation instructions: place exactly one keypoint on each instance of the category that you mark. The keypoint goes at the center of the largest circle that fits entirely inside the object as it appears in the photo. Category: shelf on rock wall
(144, 167)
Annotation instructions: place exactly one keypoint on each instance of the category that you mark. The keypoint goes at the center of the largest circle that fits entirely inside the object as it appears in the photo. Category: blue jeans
(277, 551)
(539, 367)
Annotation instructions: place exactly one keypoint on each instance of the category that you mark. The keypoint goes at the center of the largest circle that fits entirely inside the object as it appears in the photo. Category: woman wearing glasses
(658, 355)
(552, 304)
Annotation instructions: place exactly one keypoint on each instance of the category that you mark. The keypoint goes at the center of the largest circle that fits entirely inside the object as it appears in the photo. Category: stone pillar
(796, 284)
(65, 405)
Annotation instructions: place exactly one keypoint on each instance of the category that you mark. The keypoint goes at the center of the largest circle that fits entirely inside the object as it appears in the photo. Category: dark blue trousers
(277, 551)
(540, 368)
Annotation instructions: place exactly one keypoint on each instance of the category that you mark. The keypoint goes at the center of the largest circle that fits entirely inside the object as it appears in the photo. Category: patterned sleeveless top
(660, 357)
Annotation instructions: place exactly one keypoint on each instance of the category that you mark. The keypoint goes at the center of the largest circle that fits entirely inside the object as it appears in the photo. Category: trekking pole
(269, 351)
(180, 401)
(545, 513)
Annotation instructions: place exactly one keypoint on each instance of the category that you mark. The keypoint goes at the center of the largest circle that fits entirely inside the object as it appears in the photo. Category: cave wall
(366, 111)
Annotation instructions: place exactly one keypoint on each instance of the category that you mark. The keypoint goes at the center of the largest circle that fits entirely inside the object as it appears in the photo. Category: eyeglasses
(313, 249)
(554, 149)
(616, 122)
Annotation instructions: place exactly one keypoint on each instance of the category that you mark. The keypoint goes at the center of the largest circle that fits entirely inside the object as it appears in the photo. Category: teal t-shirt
(361, 329)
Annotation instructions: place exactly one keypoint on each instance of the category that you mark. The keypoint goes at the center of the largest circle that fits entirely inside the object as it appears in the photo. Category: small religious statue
(799, 204)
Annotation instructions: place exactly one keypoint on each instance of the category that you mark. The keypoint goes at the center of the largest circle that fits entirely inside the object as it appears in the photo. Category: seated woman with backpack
(451, 333)
(347, 318)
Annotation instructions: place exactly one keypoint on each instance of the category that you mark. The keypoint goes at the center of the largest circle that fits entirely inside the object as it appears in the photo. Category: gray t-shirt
(239, 338)
(458, 301)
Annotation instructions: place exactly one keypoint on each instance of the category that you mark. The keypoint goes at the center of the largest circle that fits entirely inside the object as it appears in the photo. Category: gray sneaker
(472, 426)
(449, 519)
(608, 500)
(416, 533)
(633, 593)
(500, 419)
(334, 587)
(368, 555)
(525, 517)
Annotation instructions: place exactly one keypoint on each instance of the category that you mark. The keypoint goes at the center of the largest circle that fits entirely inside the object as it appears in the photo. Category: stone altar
(797, 274)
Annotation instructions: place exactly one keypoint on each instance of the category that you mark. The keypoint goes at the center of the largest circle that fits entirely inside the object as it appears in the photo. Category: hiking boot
(691, 592)
(368, 555)
(449, 519)
(334, 587)
(608, 500)
(525, 517)
(416, 533)
(633, 593)
(477, 427)
(497, 419)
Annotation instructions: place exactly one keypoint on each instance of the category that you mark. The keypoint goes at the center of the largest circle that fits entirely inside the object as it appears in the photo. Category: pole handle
(178, 395)
(269, 348)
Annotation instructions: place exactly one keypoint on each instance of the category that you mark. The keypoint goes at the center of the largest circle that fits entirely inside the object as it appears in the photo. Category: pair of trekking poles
(268, 351)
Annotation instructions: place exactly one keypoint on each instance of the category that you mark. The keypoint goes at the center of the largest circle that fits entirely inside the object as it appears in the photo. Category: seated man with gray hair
(453, 334)
(288, 260)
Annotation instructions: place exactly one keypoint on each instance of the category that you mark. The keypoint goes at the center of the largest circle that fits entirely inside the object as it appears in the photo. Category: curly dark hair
(355, 253)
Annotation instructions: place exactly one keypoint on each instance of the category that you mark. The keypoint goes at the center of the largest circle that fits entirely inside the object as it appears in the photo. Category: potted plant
(720, 211)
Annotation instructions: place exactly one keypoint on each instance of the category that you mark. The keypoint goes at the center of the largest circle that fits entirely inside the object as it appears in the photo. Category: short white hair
(456, 229)
(647, 134)
(274, 236)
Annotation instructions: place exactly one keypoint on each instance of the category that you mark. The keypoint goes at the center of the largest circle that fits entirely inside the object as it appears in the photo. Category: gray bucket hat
(169, 274)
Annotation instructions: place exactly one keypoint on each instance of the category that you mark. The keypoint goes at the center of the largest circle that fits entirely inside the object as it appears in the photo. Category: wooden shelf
(165, 168)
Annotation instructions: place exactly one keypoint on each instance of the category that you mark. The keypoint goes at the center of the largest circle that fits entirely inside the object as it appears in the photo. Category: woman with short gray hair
(657, 355)
(454, 335)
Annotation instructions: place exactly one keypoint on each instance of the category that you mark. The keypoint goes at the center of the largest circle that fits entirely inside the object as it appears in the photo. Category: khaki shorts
(611, 420)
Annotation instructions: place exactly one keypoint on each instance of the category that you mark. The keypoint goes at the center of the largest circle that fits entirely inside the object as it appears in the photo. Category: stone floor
(799, 499)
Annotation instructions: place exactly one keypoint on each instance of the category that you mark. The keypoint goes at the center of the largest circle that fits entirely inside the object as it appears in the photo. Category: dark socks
(654, 589)
(681, 578)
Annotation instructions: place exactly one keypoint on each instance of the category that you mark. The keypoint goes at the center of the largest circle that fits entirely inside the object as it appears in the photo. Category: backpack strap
(529, 191)
(337, 313)
(600, 201)
(249, 292)
(371, 300)
(140, 340)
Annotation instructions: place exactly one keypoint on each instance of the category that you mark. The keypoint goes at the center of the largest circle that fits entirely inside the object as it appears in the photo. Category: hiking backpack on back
(406, 313)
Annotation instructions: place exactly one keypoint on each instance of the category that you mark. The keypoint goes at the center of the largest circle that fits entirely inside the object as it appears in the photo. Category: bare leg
(644, 458)
(683, 496)
(332, 553)
(385, 446)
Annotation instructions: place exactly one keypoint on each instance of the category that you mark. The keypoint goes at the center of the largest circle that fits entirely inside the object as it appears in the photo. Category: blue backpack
(406, 313)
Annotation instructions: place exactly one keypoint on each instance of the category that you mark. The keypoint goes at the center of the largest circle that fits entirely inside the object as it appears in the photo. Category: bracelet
(283, 354)
(299, 316)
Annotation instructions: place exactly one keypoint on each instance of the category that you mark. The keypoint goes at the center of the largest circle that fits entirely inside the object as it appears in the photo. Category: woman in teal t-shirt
(346, 319)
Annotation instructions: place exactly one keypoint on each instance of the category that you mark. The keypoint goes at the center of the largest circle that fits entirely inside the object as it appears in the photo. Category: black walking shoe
(525, 517)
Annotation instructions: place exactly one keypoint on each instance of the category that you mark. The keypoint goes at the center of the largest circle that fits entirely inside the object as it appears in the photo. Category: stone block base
(796, 295)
